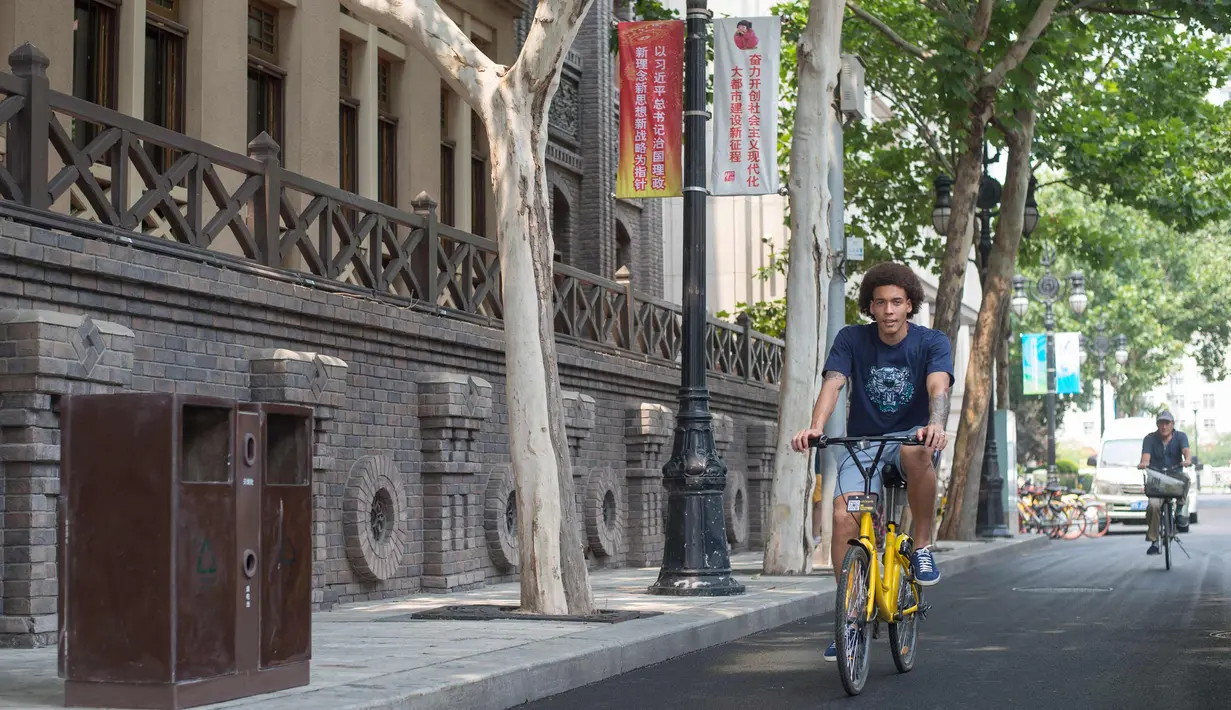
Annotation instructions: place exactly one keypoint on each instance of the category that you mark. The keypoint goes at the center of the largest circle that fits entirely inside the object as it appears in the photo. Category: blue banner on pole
(1034, 363)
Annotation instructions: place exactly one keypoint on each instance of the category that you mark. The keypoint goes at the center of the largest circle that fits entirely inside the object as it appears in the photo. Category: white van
(1117, 480)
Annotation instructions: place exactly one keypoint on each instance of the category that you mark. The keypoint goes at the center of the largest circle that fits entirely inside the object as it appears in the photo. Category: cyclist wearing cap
(900, 374)
(1163, 448)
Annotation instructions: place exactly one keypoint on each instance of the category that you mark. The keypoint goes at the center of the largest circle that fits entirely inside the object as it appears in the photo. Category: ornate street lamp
(1048, 290)
(696, 561)
(1031, 216)
(944, 204)
(1101, 347)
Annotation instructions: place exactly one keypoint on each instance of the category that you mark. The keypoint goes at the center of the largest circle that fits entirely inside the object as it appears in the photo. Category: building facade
(150, 244)
(348, 104)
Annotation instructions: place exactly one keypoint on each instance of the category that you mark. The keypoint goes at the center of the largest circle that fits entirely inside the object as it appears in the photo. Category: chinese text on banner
(746, 59)
(651, 109)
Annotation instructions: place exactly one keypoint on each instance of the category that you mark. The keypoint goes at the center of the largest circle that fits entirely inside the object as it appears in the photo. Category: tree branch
(1025, 41)
(1103, 9)
(425, 26)
(551, 33)
(886, 30)
(928, 134)
(982, 23)
(1078, 8)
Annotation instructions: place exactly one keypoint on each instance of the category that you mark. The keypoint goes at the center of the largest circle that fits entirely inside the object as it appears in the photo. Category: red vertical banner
(651, 109)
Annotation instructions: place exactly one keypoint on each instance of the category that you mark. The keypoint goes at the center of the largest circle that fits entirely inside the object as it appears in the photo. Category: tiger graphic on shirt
(890, 388)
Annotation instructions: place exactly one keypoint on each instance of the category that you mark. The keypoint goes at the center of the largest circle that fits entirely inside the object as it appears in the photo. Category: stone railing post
(745, 344)
(452, 409)
(423, 256)
(318, 381)
(762, 447)
(44, 355)
(266, 205)
(647, 436)
(735, 496)
(578, 423)
(627, 314)
(28, 149)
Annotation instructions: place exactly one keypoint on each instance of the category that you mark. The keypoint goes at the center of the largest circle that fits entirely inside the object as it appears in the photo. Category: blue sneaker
(831, 653)
(925, 569)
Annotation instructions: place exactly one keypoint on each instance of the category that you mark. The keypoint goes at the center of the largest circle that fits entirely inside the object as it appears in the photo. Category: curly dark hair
(888, 273)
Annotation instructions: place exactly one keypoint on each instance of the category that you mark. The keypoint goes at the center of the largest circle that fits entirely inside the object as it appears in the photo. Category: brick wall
(410, 416)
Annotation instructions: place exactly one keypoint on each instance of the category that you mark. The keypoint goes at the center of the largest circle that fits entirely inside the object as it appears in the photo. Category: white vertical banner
(747, 54)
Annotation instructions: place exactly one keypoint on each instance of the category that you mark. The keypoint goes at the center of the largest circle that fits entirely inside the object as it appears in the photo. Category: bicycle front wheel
(1167, 526)
(904, 635)
(851, 621)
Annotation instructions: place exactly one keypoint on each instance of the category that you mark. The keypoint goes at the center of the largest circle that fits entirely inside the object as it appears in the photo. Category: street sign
(854, 249)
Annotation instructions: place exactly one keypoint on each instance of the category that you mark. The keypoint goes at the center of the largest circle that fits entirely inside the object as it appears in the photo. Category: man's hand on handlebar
(800, 442)
(932, 436)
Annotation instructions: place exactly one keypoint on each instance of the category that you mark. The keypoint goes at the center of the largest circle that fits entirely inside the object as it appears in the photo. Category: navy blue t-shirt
(887, 384)
(1169, 454)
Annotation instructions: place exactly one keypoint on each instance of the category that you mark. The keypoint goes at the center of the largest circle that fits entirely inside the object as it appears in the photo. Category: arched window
(561, 223)
(624, 248)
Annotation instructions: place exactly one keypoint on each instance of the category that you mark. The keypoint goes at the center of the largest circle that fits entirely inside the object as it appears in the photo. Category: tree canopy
(1167, 291)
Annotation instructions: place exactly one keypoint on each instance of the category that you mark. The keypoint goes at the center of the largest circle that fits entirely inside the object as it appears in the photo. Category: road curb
(594, 656)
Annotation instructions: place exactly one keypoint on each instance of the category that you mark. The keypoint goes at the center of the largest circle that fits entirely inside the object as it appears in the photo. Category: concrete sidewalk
(365, 658)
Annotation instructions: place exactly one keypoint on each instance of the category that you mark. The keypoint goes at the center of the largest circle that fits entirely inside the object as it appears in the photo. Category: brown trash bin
(185, 549)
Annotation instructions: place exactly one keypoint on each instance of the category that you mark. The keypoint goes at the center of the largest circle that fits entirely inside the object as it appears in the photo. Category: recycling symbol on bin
(207, 563)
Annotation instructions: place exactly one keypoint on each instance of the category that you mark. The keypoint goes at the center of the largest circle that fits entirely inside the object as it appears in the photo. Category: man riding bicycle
(1160, 449)
(889, 363)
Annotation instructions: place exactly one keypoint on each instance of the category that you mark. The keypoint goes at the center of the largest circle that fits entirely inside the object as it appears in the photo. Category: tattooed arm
(825, 404)
(938, 410)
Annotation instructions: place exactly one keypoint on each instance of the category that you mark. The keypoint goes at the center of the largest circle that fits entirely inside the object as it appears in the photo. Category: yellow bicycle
(875, 582)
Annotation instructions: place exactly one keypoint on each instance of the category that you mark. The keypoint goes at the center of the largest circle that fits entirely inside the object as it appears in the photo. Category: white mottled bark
(789, 547)
(513, 103)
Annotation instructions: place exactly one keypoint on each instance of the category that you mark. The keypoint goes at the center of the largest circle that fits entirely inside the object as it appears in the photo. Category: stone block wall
(411, 479)
(44, 355)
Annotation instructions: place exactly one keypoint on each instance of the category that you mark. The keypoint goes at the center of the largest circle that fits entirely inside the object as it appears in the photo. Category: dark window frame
(166, 9)
(95, 76)
(448, 181)
(272, 85)
(387, 159)
(480, 178)
(265, 44)
(167, 72)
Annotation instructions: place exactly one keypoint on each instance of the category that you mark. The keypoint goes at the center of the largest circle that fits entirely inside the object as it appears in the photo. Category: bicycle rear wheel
(851, 624)
(1098, 521)
(1057, 522)
(1077, 522)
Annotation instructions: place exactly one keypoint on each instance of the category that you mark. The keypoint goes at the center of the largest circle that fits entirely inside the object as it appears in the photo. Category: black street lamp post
(696, 561)
(1047, 290)
(990, 517)
(1101, 347)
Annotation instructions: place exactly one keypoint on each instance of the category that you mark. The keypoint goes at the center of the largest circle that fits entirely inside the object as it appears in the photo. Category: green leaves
(1168, 292)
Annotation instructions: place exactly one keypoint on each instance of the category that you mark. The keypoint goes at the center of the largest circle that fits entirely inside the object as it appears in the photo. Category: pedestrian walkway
(372, 656)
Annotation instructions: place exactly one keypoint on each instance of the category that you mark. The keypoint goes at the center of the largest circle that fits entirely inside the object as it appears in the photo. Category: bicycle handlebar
(821, 442)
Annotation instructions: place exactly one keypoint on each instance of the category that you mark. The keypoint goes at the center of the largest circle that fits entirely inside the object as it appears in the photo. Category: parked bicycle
(1060, 513)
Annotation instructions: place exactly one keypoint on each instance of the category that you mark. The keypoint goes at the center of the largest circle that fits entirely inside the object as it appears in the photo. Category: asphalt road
(1133, 636)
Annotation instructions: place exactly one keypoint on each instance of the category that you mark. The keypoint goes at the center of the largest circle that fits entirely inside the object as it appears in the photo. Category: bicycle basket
(1161, 485)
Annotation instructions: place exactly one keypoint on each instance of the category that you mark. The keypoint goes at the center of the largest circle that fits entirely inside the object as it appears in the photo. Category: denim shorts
(850, 480)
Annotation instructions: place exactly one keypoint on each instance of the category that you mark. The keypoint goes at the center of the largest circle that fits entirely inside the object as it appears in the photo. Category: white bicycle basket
(1161, 485)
